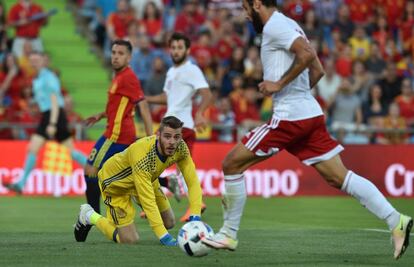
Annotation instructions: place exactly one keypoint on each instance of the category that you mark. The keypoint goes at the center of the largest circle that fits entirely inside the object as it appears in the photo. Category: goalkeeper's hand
(194, 218)
(168, 240)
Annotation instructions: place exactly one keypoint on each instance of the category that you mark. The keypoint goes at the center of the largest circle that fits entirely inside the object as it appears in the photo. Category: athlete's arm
(199, 120)
(157, 99)
(187, 168)
(316, 72)
(94, 119)
(304, 56)
(146, 197)
(146, 116)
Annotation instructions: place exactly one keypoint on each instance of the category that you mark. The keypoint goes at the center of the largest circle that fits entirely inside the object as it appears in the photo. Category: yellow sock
(107, 228)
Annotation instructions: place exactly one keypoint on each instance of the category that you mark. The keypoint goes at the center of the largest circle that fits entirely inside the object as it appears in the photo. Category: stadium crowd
(366, 46)
(19, 113)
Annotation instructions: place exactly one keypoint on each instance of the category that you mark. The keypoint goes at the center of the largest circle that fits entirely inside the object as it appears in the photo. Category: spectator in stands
(407, 23)
(140, 7)
(226, 119)
(395, 128)
(390, 84)
(152, 20)
(375, 63)
(23, 60)
(326, 10)
(346, 109)
(361, 80)
(203, 52)
(229, 69)
(329, 84)
(189, 19)
(155, 83)
(296, 9)
(98, 22)
(142, 58)
(373, 109)
(118, 21)
(343, 23)
(12, 81)
(360, 11)
(360, 44)
(312, 27)
(251, 61)
(20, 16)
(405, 102)
(344, 62)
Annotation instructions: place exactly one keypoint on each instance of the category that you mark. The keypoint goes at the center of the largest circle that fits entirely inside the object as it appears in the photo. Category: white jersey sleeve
(284, 34)
(198, 81)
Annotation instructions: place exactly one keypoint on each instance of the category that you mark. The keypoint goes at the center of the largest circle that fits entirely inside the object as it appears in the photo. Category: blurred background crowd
(366, 47)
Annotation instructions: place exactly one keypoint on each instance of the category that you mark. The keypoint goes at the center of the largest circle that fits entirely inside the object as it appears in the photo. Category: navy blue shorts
(103, 150)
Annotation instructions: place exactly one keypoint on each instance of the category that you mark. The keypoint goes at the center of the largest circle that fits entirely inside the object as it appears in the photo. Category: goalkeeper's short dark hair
(125, 43)
(172, 122)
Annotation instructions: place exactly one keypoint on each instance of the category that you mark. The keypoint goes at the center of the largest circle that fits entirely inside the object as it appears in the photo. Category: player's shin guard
(233, 203)
(108, 229)
(371, 198)
(93, 193)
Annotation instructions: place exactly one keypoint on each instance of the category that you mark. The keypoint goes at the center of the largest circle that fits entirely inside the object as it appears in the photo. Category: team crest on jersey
(121, 213)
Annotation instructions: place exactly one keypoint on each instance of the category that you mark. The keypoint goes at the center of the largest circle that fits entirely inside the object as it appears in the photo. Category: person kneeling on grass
(132, 175)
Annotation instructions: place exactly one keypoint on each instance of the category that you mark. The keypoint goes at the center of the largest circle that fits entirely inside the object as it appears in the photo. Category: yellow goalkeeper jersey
(135, 171)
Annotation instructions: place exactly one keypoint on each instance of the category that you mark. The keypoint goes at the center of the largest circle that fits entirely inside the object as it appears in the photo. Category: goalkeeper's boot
(174, 186)
(401, 235)
(186, 216)
(220, 241)
(83, 225)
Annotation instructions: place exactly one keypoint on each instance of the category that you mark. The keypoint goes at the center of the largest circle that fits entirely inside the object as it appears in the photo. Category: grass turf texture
(304, 231)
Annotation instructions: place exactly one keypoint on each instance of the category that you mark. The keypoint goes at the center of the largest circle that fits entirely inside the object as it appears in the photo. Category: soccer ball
(189, 238)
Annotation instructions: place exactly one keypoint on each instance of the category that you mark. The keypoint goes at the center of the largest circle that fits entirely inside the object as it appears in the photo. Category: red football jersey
(29, 30)
(124, 93)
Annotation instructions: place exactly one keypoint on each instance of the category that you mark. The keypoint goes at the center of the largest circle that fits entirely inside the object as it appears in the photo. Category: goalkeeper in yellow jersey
(132, 175)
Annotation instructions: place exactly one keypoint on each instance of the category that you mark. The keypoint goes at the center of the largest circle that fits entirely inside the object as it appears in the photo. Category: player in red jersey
(123, 95)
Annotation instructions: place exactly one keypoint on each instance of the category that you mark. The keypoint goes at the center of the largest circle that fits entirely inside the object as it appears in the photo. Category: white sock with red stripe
(371, 198)
(233, 203)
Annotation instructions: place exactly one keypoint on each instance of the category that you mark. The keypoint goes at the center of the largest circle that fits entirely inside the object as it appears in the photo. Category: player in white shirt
(291, 68)
(184, 79)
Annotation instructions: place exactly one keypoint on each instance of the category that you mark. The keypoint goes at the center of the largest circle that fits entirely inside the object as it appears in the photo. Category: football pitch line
(379, 230)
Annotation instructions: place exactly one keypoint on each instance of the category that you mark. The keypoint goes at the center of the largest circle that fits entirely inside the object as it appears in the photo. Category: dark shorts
(103, 150)
(62, 129)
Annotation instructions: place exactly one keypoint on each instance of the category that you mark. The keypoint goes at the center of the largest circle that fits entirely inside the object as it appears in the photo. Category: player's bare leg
(234, 199)
(336, 174)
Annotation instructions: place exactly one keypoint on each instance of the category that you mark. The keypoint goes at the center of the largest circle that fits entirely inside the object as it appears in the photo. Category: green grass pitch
(302, 231)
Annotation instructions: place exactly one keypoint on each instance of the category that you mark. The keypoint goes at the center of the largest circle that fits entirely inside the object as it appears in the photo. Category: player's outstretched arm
(157, 99)
(94, 119)
(146, 116)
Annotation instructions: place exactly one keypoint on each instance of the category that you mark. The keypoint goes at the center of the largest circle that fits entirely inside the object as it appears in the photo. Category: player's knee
(129, 239)
(228, 166)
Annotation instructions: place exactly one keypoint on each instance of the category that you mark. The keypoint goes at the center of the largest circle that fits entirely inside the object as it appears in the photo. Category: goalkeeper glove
(194, 218)
(168, 240)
